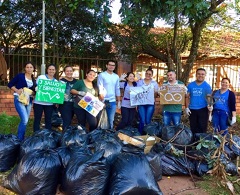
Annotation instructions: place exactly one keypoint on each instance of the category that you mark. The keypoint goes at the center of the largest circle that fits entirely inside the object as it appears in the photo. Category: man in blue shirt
(109, 90)
(196, 102)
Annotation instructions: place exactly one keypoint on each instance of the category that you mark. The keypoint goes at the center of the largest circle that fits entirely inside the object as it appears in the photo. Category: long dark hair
(94, 82)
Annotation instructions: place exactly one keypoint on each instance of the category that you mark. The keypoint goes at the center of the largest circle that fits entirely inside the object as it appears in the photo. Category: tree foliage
(72, 28)
(186, 18)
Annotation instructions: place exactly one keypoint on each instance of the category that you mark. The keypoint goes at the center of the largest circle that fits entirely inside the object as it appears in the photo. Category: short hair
(171, 71)
(67, 66)
(111, 61)
(226, 78)
(200, 69)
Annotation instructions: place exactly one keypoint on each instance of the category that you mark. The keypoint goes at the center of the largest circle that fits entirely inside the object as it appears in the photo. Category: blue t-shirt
(198, 94)
(221, 100)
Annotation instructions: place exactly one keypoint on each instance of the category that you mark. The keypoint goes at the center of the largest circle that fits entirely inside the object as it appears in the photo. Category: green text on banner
(50, 91)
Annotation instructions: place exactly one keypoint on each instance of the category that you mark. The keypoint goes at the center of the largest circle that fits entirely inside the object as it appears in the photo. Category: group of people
(201, 104)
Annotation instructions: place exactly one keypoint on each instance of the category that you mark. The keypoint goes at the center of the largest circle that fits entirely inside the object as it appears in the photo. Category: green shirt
(173, 107)
(80, 86)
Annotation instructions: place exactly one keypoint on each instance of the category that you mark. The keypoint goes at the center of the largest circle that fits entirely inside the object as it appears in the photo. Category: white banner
(142, 95)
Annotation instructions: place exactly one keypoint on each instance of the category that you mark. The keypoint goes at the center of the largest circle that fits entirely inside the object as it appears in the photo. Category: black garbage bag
(230, 167)
(131, 174)
(154, 128)
(172, 165)
(100, 134)
(181, 134)
(86, 176)
(11, 181)
(55, 135)
(130, 131)
(235, 146)
(74, 136)
(201, 168)
(38, 142)
(37, 173)
(9, 149)
(155, 163)
(71, 151)
(111, 148)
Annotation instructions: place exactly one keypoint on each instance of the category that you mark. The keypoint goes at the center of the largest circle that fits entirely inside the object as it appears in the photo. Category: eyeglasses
(111, 65)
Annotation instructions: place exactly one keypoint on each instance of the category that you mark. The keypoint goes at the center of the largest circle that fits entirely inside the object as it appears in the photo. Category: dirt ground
(179, 185)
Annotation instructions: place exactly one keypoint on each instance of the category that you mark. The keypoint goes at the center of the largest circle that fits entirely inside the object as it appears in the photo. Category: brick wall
(7, 105)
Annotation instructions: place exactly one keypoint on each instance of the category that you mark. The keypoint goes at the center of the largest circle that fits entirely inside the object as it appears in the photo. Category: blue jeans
(169, 117)
(38, 111)
(145, 115)
(24, 113)
(128, 115)
(67, 112)
(111, 110)
(219, 120)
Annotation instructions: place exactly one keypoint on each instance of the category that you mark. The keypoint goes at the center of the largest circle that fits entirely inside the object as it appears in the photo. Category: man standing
(109, 90)
(172, 112)
(197, 106)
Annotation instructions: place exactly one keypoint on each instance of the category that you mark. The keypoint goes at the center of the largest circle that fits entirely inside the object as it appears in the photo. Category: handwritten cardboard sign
(91, 104)
(50, 91)
(172, 94)
(142, 95)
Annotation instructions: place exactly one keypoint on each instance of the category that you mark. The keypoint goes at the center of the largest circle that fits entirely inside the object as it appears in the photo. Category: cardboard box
(145, 142)
(172, 94)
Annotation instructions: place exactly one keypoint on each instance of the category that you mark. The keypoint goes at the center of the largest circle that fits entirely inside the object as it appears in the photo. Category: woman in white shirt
(146, 111)
(46, 107)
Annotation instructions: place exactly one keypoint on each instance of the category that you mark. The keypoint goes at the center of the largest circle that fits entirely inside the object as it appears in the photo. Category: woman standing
(146, 111)
(46, 107)
(16, 85)
(66, 109)
(224, 107)
(127, 111)
(81, 87)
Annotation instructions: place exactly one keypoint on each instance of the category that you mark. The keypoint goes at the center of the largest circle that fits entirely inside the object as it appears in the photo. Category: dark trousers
(38, 111)
(67, 112)
(128, 115)
(83, 116)
(199, 120)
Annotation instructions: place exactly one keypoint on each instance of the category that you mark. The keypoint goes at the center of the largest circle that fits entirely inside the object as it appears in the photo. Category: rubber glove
(82, 93)
(210, 108)
(119, 105)
(187, 111)
(123, 77)
(138, 76)
(234, 120)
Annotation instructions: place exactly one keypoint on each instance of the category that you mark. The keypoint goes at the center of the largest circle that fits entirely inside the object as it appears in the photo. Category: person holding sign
(146, 111)
(80, 88)
(66, 109)
(172, 112)
(109, 90)
(47, 107)
(127, 111)
(224, 108)
(196, 102)
(21, 84)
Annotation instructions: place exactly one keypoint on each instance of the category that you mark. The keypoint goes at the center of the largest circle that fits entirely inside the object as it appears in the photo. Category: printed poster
(142, 95)
(91, 104)
(50, 91)
(172, 94)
